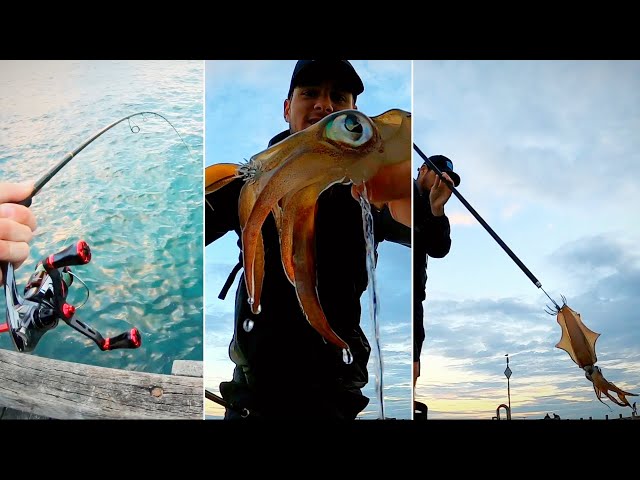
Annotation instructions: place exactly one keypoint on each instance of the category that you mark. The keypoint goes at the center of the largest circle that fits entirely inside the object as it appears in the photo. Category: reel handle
(76, 254)
(130, 339)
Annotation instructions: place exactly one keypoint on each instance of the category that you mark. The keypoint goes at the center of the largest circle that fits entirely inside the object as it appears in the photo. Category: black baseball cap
(312, 70)
(444, 165)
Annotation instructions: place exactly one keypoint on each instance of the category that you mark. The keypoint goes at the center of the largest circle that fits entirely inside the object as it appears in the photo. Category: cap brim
(452, 175)
(338, 70)
(455, 177)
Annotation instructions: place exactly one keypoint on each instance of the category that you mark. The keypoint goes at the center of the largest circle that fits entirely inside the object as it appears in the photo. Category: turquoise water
(135, 198)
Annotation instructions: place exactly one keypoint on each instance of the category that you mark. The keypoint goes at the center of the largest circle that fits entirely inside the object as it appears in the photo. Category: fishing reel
(44, 303)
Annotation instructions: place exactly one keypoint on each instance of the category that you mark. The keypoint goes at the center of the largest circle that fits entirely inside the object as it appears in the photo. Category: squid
(580, 343)
(346, 147)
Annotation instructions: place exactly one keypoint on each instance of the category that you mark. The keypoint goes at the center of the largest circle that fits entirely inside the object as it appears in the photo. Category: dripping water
(367, 224)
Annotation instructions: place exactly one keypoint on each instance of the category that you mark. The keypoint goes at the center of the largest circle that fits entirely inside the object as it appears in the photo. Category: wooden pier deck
(34, 387)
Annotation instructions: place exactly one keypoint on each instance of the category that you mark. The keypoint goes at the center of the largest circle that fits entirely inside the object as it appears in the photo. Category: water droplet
(259, 309)
(250, 300)
(247, 325)
(347, 357)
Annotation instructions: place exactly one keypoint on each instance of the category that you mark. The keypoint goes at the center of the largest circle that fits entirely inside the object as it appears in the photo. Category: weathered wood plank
(66, 390)
(11, 414)
(187, 368)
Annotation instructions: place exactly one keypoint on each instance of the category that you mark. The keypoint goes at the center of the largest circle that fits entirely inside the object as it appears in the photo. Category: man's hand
(439, 195)
(391, 185)
(17, 224)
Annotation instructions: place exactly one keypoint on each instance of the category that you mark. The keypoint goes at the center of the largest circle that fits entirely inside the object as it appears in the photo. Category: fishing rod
(53, 171)
(244, 412)
(577, 339)
(44, 301)
(495, 236)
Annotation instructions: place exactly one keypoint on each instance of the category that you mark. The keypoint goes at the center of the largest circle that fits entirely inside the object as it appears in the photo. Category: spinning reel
(44, 303)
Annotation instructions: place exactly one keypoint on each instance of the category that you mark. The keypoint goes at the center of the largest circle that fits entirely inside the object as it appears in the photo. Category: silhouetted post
(507, 373)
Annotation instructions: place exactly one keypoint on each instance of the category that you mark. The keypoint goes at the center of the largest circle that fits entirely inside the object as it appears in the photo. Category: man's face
(311, 103)
(426, 178)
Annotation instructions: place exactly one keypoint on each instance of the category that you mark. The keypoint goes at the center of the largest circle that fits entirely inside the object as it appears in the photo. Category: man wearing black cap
(284, 368)
(431, 237)
(319, 88)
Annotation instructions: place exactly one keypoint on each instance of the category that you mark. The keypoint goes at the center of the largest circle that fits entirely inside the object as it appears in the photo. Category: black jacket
(282, 352)
(432, 237)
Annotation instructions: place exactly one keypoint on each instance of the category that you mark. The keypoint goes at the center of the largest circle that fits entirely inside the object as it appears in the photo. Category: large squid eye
(353, 129)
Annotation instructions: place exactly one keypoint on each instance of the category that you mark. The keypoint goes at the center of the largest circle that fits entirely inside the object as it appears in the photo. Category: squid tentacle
(286, 180)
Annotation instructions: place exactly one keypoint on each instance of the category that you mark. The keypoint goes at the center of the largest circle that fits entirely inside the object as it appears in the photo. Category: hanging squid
(286, 180)
(580, 343)
(577, 340)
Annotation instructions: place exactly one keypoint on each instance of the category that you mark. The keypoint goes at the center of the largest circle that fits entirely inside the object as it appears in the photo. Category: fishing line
(85, 286)
(170, 124)
(134, 129)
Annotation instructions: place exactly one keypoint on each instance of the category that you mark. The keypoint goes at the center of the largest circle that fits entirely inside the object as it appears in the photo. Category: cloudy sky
(244, 110)
(549, 156)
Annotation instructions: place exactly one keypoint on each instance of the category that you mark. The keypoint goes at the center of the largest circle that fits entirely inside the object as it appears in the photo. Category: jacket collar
(279, 137)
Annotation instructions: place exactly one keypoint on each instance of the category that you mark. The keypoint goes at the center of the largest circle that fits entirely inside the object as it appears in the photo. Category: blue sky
(548, 152)
(244, 110)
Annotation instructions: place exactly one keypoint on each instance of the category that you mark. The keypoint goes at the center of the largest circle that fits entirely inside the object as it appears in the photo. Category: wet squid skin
(580, 343)
(287, 178)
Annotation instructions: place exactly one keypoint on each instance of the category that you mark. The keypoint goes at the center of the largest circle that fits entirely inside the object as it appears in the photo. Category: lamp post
(507, 373)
